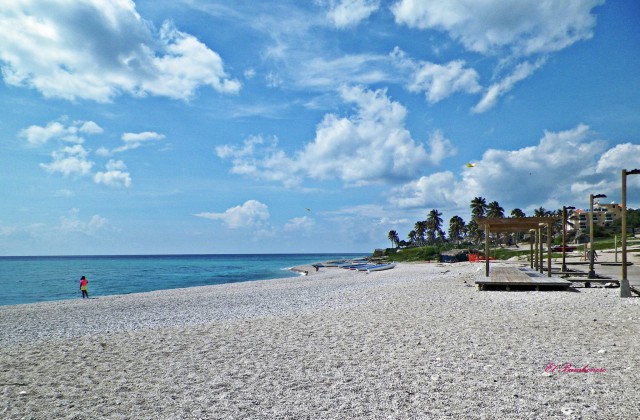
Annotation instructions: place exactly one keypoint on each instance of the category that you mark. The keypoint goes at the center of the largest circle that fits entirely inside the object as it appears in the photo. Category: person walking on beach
(83, 287)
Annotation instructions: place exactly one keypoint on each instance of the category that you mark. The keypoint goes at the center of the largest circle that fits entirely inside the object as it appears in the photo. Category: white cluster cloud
(524, 27)
(348, 13)
(73, 160)
(115, 175)
(251, 214)
(511, 28)
(98, 49)
(37, 135)
(70, 160)
(546, 171)
(371, 146)
(436, 80)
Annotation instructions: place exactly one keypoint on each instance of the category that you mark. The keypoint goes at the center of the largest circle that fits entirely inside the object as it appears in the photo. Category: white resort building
(603, 215)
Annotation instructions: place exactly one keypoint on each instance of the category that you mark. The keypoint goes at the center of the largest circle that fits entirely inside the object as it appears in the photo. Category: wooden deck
(514, 278)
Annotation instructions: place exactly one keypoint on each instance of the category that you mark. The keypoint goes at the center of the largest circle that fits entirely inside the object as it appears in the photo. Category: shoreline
(416, 341)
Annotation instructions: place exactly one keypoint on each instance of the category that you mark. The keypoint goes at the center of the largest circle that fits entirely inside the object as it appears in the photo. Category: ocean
(41, 279)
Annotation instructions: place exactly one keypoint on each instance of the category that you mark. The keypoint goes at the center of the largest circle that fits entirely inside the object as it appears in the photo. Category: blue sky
(198, 126)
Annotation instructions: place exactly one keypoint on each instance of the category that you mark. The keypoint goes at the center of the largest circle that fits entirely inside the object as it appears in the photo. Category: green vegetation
(423, 253)
(427, 241)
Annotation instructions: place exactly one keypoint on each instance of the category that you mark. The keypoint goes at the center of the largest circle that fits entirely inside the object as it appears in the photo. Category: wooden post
(536, 249)
(531, 237)
(486, 250)
(548, 249)
(541, 250)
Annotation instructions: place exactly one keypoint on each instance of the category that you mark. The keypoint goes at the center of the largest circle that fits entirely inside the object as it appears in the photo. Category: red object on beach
(478, 258)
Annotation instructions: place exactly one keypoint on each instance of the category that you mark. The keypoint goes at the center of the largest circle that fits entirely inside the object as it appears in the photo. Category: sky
(288, 126)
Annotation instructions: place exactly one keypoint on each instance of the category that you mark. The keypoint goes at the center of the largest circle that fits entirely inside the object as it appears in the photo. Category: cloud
(74, 160)
(115, 175)
(71, 160)
(435, 80)
(532, 175)
(370, 146)
(348, 13)
(36, 135)
(521, 72)
(622, 156)
(324, 73)
(248, 215)
(523, 27)
(97, 50)
(429, 190)
(135, 140)
(509, 29)
(72, 224)
(303, 224)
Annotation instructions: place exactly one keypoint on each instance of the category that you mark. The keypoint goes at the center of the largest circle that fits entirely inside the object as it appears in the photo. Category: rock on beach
(413, 342)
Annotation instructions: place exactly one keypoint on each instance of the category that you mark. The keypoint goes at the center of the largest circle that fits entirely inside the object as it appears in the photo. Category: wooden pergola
(519, 224)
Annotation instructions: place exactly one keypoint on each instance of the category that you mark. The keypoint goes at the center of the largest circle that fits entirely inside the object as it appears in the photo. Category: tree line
(430, 231)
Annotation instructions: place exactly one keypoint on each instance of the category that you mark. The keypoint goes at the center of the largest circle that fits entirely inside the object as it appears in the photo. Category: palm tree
(478, 207)
(420, 228)
(412, 236)
(517, 213)
(433, 222)
(494, 210)
(456, 229)
(393, 237)
(474, 232)
(540, 212)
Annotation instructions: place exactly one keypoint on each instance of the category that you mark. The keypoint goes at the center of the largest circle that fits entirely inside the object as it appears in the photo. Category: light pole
(592, 273)
(625, 290)
(564, 235)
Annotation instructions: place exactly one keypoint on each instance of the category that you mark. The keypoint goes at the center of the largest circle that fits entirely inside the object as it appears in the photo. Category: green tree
(474, 233)
(478, 207)
(494, 209)
(433, 224)
(540, 212)
(456, 228)
(517, 213)
(420, 228)
(393, 237)
(412, 236)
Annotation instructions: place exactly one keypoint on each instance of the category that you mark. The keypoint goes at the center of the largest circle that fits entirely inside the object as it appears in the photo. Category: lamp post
(625, 290)
(564, 235)
(592, 273)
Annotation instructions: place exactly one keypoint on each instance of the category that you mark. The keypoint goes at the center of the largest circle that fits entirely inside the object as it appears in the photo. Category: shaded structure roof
(515, 224)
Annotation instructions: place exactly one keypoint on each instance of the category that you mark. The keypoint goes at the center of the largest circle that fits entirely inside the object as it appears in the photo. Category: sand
(418, 341)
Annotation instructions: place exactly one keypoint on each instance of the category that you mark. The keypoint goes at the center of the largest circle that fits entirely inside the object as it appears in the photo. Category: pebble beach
(418, 341)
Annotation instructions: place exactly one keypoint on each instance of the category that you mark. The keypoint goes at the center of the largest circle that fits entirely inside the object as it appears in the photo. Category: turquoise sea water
(38, 279)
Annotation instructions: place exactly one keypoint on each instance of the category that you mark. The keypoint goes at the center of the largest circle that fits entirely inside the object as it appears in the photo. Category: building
(603, 215)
